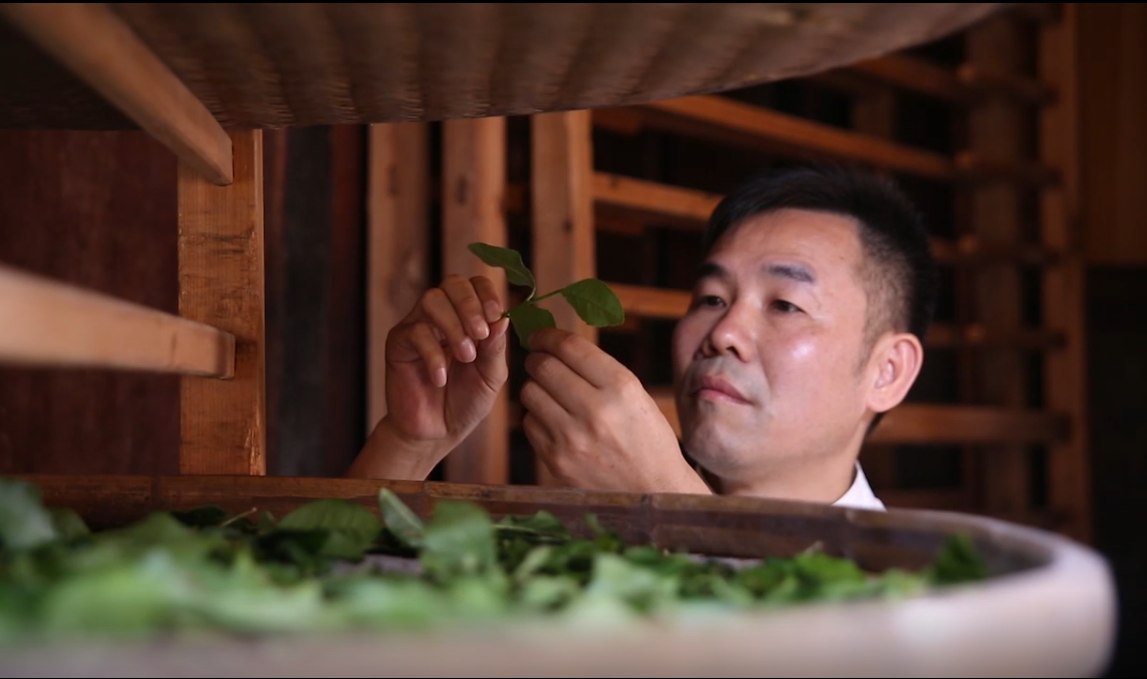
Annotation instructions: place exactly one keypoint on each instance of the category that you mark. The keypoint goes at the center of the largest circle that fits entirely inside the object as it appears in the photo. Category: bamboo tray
(268, 65)
(1047, 610)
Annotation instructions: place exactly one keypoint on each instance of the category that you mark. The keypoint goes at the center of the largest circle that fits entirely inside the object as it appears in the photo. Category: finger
(580, 355)
(430, 350)
(467, 305)
(560, 382)
(539, 401)
(491, 360)
(442, 313)
(538, 435)
(491, 301)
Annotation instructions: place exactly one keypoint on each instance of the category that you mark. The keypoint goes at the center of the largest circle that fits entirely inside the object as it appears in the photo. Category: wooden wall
(98, 209)
(1113, 109)
(107, 223)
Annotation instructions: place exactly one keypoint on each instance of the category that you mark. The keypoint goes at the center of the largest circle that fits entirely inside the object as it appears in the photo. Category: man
(805, 326)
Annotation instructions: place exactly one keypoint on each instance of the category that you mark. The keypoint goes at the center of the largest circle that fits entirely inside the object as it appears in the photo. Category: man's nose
(733, 334)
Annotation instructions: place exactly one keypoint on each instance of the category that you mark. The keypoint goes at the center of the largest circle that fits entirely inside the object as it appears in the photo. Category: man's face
(767, 361)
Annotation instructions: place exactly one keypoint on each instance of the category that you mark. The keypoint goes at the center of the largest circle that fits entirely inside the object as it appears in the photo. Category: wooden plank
(1065, 373)
(221, 283)
(690, 208)
(51, 324)
(997, 127)
(399, 248)
(730, 120)
(474, 181)
(916, 75)
(929, 424)
(654, 199)
(1112, 92)
(647, 302)
(989, 80)
(563, 188)
(91, 41)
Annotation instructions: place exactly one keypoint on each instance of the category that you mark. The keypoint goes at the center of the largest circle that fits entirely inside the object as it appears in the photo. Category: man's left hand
(594, 424)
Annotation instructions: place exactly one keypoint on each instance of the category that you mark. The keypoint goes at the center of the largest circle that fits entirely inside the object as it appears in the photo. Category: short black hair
(900, 271)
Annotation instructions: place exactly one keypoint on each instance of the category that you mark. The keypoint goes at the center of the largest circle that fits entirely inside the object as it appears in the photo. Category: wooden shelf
(51, 324)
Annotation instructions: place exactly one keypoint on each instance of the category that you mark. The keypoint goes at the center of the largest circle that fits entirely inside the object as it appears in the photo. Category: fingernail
(493, 311)
(440, 376)
(469, 352)
(481, 330)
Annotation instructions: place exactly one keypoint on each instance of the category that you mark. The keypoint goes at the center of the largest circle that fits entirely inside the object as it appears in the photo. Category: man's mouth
(713, 388)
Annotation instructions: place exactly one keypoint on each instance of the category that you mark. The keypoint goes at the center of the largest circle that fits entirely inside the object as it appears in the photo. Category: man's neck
(825, 483)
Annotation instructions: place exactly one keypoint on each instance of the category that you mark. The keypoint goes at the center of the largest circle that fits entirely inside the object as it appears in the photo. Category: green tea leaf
(459, 540)
(403, 523)
(24, 521)
(516, 271)
(528, 319)
(67, 523)
(957, 562)
(594, 302)
(352, 528)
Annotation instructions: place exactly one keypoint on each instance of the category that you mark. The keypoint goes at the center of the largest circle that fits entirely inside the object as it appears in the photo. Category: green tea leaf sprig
(592, 299)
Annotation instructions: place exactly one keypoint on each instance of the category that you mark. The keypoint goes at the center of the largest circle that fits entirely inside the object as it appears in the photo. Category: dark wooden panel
(97, 209)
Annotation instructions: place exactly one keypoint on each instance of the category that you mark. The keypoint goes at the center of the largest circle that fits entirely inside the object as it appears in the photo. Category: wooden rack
(217, 338)
(998, 419)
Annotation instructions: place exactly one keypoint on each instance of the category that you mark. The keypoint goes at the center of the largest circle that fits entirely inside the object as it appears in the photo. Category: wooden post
(563, 234)
(223, 422)
(398, 240)
(996, 129)
(1069, 478)
(473, 185)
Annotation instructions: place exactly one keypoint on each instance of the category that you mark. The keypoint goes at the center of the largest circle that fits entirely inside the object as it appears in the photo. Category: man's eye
(786, 307)
(709, 300)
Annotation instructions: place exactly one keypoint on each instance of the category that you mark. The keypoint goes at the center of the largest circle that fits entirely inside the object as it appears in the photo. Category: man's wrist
(389, 455)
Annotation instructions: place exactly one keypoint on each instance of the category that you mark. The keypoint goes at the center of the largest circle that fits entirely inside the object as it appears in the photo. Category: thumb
(491, 360)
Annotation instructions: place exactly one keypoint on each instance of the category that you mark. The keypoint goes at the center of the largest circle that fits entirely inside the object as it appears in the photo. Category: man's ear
(895, 364)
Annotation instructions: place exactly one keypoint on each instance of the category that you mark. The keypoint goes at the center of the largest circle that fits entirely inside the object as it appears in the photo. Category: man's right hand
(445, 364)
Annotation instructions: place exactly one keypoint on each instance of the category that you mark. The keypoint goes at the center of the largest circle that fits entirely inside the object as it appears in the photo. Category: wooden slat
(52, 324)
(916, 75)
(562, 202)
(91, 41)
(399, 256)
(966, 85)
(1065, 372)
(646, 302)
(474, 181)
(988, 80)
(927, 424)
(745, 124)
(944, 499)
(690, 208)
(984, 165)
(996, 126)
(652, 198)
(223, 423)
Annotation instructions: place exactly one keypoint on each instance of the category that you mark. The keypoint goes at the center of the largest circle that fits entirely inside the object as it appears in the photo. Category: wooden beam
(102, 51)
(399, 248)
(474, 181)
(563, 187)
(927, 424)
(778, 132)
(654, 199)
(221, 283)
(47, 323)
(915, 75)
(1065, 372)
(988, 80)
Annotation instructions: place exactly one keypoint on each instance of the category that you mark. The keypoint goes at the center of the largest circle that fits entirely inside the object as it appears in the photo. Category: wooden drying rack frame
(217, 339)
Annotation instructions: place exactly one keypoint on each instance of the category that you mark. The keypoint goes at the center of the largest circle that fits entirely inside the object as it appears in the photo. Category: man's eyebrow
(796, 272)
(711, 270)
